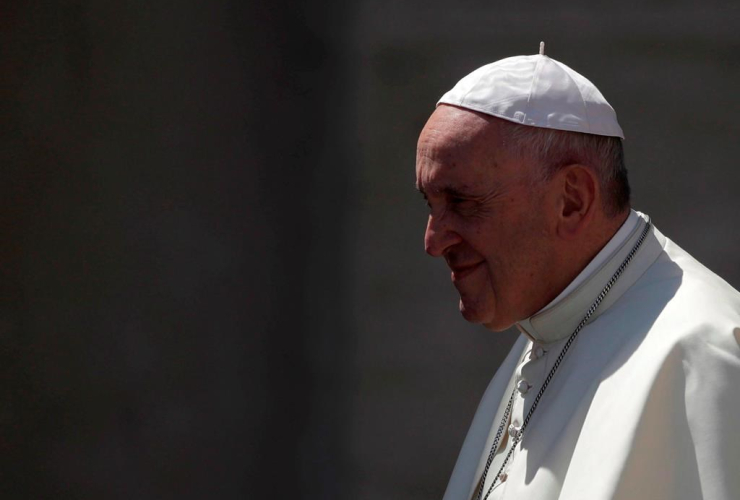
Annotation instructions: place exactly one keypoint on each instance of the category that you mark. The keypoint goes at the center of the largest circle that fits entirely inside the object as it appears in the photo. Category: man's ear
(579, 196)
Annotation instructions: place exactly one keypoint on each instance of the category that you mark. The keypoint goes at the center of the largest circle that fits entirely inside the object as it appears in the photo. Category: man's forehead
(441, 150)
(461, 152)
(442, 144)
(455, 126)
(453, 134)
(441, 171)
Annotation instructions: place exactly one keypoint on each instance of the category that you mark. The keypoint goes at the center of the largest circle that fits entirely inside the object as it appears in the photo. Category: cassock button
(539, 352)
(503, 477)
(523, 386)
(513, 430)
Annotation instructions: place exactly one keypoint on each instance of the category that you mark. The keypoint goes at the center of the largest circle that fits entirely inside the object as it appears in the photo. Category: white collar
(559, 318)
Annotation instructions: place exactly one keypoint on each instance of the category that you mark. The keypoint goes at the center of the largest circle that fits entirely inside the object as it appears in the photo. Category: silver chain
(518, 436)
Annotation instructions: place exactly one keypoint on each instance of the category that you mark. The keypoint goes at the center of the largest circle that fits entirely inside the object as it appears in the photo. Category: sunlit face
(488, 219)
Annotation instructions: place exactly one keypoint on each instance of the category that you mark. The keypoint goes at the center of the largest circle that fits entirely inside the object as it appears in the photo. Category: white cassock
(646, 403)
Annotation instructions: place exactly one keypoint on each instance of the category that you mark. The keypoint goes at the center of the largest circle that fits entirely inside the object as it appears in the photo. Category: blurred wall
(212, 273)
(174, 267)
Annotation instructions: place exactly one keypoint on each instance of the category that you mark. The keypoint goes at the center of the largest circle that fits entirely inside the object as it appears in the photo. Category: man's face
(487, 217)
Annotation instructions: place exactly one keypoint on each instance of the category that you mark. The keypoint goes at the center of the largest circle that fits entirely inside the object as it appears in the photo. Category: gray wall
(212, 274)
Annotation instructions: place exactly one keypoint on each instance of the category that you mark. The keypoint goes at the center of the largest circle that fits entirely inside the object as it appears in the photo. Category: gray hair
(555, 149)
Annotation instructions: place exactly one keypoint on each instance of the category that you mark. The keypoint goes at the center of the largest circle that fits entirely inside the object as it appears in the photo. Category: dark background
(212, 273)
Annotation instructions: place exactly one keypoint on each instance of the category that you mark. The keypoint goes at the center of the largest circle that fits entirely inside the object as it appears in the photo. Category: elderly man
(625, 381)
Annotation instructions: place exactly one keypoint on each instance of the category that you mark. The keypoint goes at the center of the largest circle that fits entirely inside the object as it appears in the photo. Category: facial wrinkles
(440, 145)
(487, 203)
(449, 171)
(477, 194)
(448, 140)
(483, 195)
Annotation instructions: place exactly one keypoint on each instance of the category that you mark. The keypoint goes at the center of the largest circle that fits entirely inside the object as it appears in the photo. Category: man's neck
(582, 254)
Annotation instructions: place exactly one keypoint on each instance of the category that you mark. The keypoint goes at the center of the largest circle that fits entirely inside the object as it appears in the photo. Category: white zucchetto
(536, 91)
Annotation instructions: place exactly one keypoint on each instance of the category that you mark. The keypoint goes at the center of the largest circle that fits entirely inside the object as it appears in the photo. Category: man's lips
(460, 272)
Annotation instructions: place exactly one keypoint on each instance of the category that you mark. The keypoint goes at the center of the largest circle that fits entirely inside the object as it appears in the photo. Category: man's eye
(462, 203)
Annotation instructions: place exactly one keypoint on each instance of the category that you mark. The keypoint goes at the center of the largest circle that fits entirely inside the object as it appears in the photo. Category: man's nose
(439, 237)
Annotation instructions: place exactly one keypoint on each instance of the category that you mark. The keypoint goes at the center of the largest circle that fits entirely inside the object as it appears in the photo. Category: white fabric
(644, 406)
(537, 91)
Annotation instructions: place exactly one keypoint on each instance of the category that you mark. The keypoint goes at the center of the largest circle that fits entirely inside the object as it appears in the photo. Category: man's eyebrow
(449, 190)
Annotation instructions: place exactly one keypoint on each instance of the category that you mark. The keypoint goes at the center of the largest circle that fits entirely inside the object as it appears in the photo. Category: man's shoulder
(701, 294)
(688, 305)
(678, 322)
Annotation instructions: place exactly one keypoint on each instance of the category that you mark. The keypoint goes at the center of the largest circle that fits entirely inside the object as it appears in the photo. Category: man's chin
(478, 317)
(471, 313)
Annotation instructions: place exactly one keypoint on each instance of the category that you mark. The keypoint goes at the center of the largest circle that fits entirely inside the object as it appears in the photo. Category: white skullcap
(537, 91)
